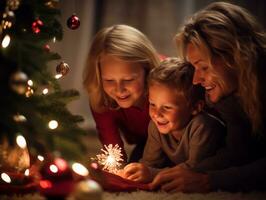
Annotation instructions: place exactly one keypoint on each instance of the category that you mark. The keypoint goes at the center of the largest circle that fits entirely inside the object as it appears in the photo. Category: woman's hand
(177, 179)
(137, 172)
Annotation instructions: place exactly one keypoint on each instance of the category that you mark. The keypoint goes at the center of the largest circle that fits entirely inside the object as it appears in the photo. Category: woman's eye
(205, 68)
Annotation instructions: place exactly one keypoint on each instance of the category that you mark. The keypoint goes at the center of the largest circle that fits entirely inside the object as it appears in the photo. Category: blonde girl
(119, 61)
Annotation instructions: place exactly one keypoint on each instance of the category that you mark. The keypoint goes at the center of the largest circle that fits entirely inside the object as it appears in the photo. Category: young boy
(180, 132)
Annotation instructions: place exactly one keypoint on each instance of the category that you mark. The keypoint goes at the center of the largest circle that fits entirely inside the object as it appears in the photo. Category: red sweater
(132, 122)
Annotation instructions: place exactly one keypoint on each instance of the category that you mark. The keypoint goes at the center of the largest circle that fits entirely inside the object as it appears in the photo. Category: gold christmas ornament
(62, 68)
(52, 3)
(8, 19)
(13, 4)
(87, 190)
(13, 158)
(19, 82)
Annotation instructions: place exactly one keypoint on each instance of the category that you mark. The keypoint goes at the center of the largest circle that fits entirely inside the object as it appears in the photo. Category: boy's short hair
(178, 75)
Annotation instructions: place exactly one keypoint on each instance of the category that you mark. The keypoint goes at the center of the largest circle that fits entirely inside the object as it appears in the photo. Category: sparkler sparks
(111, 158)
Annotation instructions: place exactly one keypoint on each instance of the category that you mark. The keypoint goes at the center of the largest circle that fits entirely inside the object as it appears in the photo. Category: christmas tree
(32, 103)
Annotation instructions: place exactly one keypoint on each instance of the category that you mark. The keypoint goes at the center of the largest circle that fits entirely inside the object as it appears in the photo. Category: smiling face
(170, 111)
(123, 81)
(218, 80)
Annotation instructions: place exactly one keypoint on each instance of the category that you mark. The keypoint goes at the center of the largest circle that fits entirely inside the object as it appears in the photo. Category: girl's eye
(167, 107)
(151, 104)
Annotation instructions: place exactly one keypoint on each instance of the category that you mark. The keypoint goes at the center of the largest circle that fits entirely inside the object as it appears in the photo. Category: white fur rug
(142, 195)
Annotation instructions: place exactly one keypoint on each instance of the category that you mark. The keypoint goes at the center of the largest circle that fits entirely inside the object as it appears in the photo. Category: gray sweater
(201, 138)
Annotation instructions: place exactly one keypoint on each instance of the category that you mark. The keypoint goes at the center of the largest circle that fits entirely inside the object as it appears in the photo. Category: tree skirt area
(143, 195)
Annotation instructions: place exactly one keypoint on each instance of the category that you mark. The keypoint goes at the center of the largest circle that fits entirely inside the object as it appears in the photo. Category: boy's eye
(128, 80)
(108, 80)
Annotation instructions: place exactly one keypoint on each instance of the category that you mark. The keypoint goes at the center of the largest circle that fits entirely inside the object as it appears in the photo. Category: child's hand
(137, 172)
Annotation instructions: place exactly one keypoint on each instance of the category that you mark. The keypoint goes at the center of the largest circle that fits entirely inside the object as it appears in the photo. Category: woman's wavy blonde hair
(123, 42)
(231, 33)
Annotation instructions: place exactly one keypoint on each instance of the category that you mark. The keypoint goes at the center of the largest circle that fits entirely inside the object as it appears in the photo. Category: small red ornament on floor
(57, 179)
(73, 22)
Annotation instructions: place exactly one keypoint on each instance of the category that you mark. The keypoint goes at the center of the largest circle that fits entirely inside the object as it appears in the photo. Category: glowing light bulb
(53, 168)
(45, 91)
(27, 172)
(30, 82)
(53, 124)
(21, 141)
(58, 76)
(5, 178)
(80, 169)
(19, 118)
(40, 158)
(6, 41)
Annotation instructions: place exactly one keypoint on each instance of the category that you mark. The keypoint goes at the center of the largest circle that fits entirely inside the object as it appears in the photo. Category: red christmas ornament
(62, 68)
(36, 26)
(73, 22)
(57, 179)
(47, 48)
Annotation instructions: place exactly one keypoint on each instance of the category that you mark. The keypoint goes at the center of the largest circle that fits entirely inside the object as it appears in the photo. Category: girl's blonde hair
(123, 42)
(229, 32)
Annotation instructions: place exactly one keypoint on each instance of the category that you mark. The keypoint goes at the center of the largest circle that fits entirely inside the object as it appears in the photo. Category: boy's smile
(168, 109)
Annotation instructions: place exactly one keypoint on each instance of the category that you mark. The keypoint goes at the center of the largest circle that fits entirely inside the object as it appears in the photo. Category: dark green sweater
(241, 164)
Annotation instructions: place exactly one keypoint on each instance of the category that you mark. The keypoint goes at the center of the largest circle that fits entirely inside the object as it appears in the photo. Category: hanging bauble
(52, 3)
(73, 22)
(62, 68)
(36, 26)
(18, 82)
(13, 4)
(8, 19)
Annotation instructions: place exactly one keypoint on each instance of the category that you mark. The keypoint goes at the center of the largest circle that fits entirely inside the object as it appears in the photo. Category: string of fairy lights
(111, 157)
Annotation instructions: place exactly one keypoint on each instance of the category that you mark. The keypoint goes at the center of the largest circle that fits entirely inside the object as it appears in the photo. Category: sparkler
(111, 158)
